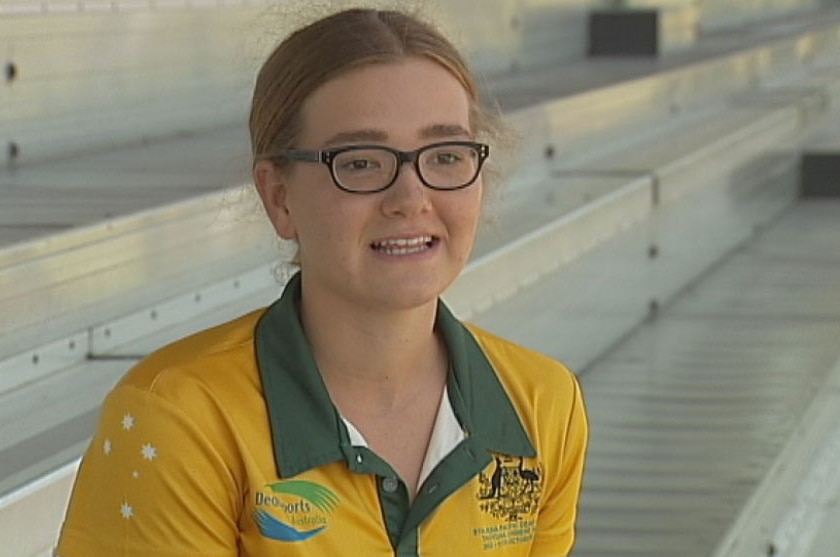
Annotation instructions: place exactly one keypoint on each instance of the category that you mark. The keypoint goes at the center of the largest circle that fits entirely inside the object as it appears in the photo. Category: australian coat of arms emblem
(511, 490)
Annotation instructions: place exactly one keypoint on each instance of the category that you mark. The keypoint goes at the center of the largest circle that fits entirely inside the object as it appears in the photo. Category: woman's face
(396, 249)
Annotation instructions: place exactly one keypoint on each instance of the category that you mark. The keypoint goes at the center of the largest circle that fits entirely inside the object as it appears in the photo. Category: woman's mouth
(404, 246)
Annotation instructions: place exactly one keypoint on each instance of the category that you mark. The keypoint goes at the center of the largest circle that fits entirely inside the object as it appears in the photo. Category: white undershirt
(446, 435)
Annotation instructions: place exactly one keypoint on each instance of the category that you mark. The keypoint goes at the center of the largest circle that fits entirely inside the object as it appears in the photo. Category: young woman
(357, 415)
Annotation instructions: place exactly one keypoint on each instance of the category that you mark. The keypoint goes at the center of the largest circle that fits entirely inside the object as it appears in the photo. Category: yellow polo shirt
(227, 444)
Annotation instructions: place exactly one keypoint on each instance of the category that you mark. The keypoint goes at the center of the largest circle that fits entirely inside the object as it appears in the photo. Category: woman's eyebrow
(442, 131)
(434, 131)
(356, 136)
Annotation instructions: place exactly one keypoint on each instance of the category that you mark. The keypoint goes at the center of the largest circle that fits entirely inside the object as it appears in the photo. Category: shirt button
(390, 485)
(359, 458)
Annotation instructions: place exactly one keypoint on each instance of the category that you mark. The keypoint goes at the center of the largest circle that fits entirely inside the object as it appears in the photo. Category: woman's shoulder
(213, 357)
(546, 394)
(521, 365)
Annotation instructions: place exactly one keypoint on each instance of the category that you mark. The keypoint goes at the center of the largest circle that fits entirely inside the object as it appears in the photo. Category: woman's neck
(378, 358)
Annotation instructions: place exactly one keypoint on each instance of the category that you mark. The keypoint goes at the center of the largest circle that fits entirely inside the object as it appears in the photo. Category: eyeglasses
(449, 165)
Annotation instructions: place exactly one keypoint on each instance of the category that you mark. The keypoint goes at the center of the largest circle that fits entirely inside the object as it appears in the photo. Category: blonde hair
(338, 43)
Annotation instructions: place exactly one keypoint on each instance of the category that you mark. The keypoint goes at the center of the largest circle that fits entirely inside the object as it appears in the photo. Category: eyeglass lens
(370, 169)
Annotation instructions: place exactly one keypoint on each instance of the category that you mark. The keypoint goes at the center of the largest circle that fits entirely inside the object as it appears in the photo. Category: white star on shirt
(107, 447)
(128, 422)
(149, 452)
(126, 511)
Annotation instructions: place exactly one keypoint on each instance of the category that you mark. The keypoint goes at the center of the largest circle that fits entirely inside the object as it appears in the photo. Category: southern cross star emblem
(149, 452)
(126, 511)
(128, 422)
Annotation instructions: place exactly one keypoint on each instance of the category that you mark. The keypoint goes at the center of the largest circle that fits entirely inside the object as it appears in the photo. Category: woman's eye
(360, 164)
(447, 158)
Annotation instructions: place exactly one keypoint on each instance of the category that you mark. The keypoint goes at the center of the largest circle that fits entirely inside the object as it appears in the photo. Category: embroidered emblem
(128, 422)
(149, 452)
(125, 456)
(511, 490)
(293, 510)
(126, 511)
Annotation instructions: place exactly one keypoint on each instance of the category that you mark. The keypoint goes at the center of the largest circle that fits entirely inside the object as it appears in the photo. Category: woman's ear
(271, 185)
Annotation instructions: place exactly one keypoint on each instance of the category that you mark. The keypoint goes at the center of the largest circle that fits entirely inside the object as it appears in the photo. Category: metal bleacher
(649, 233)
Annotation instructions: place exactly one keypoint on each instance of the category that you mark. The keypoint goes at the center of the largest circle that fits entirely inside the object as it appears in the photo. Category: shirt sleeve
(152, 484)
(555, 535)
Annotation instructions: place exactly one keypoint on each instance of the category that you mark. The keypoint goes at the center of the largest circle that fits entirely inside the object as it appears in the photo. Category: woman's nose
(408, 195)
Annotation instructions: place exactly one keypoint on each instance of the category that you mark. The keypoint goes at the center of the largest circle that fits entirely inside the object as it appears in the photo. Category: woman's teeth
(404, 246)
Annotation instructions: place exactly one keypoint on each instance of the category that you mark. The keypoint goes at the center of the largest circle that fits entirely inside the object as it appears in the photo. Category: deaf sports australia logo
(293, 510)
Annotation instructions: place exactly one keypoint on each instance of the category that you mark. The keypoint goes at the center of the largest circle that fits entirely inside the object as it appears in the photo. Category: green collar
(307, 429)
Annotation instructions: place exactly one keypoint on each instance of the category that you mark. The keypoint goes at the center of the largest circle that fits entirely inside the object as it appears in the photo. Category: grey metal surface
(791, 510)
(104, 72)
(41, 502)
(827, 535)
(158, 165)
(689, 412)
(53, 196)
(628, 278)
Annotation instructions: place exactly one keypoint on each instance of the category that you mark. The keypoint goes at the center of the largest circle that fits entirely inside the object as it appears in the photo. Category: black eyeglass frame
(327, 156)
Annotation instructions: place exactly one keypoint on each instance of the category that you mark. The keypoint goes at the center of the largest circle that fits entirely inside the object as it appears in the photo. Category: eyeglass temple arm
(301, 155)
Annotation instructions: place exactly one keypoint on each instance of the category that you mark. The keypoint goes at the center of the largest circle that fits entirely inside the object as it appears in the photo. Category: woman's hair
(331, 46)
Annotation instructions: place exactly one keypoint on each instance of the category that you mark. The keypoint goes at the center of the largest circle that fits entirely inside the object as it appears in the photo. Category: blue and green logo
(294, 510)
